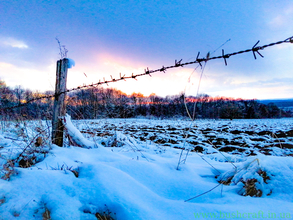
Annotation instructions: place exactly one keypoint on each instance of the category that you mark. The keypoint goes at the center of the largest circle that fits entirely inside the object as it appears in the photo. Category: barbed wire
(255, 50)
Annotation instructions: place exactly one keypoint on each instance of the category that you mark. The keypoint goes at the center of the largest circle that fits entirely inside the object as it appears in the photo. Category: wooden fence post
(59, 102)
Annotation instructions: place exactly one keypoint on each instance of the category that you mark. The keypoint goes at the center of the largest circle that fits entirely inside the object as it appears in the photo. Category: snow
(138, 179)
(73, 132)
(71, 63)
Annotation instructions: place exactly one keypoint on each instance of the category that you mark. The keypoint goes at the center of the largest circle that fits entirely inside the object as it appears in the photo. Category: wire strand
(255, 49)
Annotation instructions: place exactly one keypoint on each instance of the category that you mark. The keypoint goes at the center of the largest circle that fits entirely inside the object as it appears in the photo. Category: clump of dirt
(197, 149)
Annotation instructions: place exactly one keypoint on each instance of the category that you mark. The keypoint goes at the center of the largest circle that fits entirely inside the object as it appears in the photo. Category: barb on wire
(198, 60)
(177, 64)
(254, 49)
(225, 57)
(163, 69)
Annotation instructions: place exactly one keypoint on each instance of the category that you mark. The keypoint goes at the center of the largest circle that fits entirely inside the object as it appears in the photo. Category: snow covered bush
(23, 144)
(250, 176)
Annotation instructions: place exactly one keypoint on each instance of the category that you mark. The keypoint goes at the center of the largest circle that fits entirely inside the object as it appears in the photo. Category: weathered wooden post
(59, 102)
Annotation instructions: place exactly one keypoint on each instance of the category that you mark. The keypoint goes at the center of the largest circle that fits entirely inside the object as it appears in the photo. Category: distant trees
(17, 96)
(230, 110)
(101, 102)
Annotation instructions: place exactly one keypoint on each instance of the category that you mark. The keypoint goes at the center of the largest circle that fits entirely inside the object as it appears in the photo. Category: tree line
(99, 102)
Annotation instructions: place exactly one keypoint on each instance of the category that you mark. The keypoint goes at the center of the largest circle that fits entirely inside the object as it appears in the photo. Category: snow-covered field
(148, 169)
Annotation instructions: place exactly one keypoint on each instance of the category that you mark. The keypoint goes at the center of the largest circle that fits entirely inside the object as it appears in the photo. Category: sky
(106, 38)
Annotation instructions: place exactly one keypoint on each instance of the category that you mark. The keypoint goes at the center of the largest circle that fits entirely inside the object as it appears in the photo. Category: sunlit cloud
(214, 82)
(253, 88)
(102, 69)
(170, 83)
(12, 42)
(232, 84)
(174, 81)
(272, 92)
(32, 79)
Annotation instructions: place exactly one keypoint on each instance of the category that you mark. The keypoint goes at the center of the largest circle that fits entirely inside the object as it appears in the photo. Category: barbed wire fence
(62, 92)
(200, 61)
(27, 160)
(255, 50)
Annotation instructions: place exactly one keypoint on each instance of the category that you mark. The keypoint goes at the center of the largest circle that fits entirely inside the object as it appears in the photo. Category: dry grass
(102, 214)
(66, 168)
(8, 170)
(16, 214)
(47, 214)
(2, 200)
(107, 215)
(250, 188)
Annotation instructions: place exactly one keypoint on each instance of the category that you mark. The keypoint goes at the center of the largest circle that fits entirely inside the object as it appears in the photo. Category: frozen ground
(130, 167)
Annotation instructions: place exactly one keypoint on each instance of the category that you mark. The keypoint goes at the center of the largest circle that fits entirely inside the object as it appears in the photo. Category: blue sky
(108, 37)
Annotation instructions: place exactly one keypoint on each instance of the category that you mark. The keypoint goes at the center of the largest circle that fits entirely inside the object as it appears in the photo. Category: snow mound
(139, 180)
(261, 176)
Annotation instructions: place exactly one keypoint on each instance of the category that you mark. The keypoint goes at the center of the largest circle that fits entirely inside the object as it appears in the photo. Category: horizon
(152, 94)
(107, 38)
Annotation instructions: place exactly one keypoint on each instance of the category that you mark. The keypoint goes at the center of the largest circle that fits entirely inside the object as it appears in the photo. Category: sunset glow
(110, 40)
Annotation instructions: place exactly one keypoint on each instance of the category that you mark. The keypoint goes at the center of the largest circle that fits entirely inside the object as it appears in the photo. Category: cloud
(28, 77)
(278, 21)
(12, 42)
(260, 89)
(170, 83)
(283, 18)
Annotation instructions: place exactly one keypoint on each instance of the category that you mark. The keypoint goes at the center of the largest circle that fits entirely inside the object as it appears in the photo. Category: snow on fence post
(59, 102)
